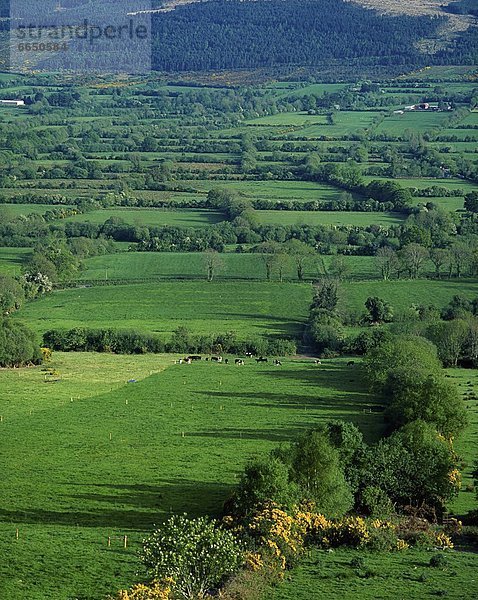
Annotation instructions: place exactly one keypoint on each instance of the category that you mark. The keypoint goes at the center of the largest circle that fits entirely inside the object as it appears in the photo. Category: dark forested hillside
(228, 34)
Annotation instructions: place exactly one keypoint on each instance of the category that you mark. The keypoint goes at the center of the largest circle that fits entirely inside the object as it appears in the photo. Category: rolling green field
(360, 219)
(178, 440)
(452, 184)
(11, 259)
(287, 119)
(414, 121)
(130, 266)
(249, 308)
(392, 576)
(450, 203)
(112, 445)
(15, 210)
(153, 217)
(403, 293)
(274, 190)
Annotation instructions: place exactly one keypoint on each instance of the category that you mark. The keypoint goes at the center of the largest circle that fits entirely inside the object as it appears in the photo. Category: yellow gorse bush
(155, 591)
(379, 524)
(254, 561)
(443, 540)
(402, 544)
(349, 531)
(454, 478)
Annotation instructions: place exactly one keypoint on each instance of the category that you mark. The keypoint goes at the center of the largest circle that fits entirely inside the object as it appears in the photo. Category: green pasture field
(15, 210)
(11, 260)
(273, 190)
(154, 217)
(170, 265)
(344, 122)
(299, 119)
(385, 576)
(416, 121)
(360, 219)
(49, 191)
(458, 146)
(461, 134)
(465, 444)
(249, 308)
(403, 293)
(450, 203)
(93, 456)
(423, 182)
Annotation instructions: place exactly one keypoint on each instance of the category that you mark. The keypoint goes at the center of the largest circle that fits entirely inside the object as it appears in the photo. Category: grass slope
(403, 293)
(391, 576)
(153, 217)
(137, 265)
(250, 309)
(67, 486)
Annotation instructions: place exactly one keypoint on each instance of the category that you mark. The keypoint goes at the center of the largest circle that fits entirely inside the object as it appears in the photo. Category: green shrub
(197, 554)
(18, 345)
(439, 561)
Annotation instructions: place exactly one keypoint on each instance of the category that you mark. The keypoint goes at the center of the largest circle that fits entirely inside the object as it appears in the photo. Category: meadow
(414, 121)
(275, 190)
(152, 217)
(11, 260)
(391, 576)
(130, 266)
(112, 445)
(16, 210)
(109, 458)
(402, 294)
(251, 309)
(359, 219)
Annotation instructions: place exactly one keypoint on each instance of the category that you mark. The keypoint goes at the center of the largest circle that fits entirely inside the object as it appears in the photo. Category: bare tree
(414, 257)
(281, 263)
(213, 263)
(387, 262)
(439, 257)
(301, 254)
(461, 254)
(339, 267)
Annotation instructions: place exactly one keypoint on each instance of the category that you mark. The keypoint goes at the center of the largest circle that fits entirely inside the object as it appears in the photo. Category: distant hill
(231, 34)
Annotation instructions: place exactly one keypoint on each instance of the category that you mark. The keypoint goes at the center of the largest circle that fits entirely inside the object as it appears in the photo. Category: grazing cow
(226, 361)
(317, 361)
(277, 363)
(261, 359)
(194, 357)
(186, 360)
(216, 359)
(350, 363)
(239, 361)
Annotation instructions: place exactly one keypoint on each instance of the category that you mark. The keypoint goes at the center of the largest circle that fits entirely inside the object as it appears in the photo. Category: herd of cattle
(240, 361)
(219, 359)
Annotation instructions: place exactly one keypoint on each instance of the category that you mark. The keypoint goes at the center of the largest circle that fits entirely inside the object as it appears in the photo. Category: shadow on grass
(128, 506)
(270, 435)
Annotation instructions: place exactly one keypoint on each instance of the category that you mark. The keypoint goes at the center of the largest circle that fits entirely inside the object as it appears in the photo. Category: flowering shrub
(46, 354)
(349, 531)
(282, 534)
(442, 540)
(454, 476)
(156, 591)
(195, 554)
(401, 545)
